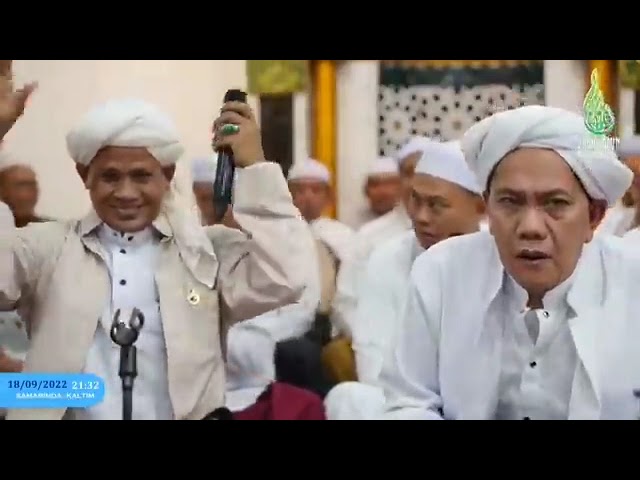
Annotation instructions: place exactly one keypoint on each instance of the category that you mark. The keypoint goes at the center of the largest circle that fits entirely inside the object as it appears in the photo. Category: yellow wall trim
(324, 119)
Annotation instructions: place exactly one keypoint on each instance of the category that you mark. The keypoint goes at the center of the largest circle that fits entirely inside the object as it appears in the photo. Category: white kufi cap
(414, 145)
(383, 166)
(309, 169)
(446, 161)
(203, 169)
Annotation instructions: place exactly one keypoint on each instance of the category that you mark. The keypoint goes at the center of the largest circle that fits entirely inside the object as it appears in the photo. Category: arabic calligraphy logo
(598, 116)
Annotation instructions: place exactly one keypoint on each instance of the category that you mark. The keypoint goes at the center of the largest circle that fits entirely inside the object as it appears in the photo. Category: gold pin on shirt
(193, 298)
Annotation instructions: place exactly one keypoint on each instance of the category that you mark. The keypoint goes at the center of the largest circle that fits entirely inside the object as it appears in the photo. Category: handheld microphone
(223, 185)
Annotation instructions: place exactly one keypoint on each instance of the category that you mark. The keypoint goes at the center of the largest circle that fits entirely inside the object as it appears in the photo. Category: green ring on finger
(229, 129)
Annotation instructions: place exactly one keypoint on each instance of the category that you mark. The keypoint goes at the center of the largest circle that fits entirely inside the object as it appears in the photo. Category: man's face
(540, 217)
(407, 169)
(440, 209)
(311, 197)
(383, 192)
(19, 190)
(203, 192)
(127, 187)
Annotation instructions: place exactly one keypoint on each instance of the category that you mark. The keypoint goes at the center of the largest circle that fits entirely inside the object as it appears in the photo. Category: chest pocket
(328, 273)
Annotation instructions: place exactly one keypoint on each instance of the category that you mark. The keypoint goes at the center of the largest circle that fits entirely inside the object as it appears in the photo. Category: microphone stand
(125, 336)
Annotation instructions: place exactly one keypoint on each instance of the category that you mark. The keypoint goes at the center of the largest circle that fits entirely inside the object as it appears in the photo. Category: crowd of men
(490, 278)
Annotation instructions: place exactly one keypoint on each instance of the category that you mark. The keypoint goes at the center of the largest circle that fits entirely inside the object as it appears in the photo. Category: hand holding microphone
(236, 129)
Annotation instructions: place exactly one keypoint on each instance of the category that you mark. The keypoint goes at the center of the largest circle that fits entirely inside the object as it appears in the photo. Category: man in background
(19, 190)
(445, 201)
(382, 188)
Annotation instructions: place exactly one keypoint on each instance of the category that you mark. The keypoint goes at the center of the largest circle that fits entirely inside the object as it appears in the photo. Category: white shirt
(539, 358)
(336, 236)
(369, 237)
(131, 261)
(380, 303)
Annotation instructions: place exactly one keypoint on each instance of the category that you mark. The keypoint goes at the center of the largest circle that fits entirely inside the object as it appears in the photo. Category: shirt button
(533, 364)
(545, 314)
(527, 418)
(130, 238)
(123, 282)
(123, 251)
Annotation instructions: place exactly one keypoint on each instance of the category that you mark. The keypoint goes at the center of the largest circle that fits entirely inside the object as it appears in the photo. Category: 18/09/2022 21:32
(27, 390)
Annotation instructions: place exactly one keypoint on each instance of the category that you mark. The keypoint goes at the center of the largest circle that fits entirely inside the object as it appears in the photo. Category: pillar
(325, 119)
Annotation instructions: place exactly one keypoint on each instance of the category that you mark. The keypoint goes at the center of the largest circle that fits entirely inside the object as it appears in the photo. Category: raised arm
(261, 265)
(18, 257)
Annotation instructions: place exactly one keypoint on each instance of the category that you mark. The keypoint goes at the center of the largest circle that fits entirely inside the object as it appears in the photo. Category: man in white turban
(381, 188)
(536, 319)
(140, 247)
(377, 232)
(445, 201)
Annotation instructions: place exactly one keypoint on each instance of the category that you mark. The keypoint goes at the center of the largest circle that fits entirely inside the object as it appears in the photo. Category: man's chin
(129, 225)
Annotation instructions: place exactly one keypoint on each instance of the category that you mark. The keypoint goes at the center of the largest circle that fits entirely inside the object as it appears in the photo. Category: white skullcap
(603, 176)
(446, 161)
(629, 147)
(309, 169)
(125, 123)
(383, 166)
(203, 169)
(414, 145)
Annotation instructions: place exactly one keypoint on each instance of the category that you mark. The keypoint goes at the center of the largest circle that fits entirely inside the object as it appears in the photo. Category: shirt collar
(91, 223)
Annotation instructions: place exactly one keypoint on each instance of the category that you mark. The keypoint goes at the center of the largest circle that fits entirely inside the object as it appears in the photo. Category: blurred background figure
(382, 188)
(624, 217)
(19, 189)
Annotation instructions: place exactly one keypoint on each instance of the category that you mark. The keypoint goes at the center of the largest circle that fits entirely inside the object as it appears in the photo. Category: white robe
(335, 235)
(447, 361)
(369, 237)
(376, 321)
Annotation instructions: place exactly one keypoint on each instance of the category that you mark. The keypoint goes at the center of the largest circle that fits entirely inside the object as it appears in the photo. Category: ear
(83, 172)
(597, 211)
(169, 172)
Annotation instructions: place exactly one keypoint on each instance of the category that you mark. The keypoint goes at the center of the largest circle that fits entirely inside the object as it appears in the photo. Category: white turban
(309, 169)
(603, 176)
(383, 166)
(125, 123)
(203, 169)
(446, 161)
(413, 145)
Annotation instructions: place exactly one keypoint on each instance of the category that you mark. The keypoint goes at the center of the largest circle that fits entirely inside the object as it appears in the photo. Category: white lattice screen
(443, 112)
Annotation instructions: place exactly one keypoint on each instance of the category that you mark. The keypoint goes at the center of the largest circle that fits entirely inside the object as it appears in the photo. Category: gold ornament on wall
(629, 73)
(277, 76)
